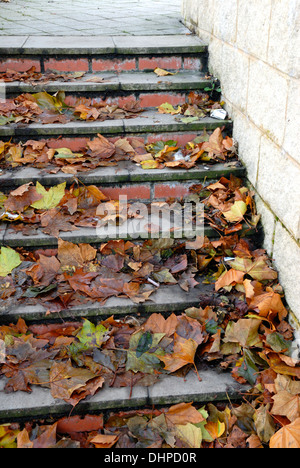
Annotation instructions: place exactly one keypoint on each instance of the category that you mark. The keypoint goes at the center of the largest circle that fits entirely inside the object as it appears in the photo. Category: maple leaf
(257, 269)
(267, 302)
(236, 212)
(70, 254)
(229, 278)
(161, 72)
(143, 353)
(9, 260)
(190, 434)
(50, 198)
(244, 332)
(101, 147)
(182, 414)
(104, 440)
(286, 404)
(265, 426)
(158, 324)
(65, 379)
(287, 437)
(22, 197)
(45, 270)
(167, 108)
(53, 221)
(184, 353)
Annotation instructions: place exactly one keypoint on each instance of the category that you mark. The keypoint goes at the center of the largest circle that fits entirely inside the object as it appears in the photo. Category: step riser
(146, 98)
(100, 63)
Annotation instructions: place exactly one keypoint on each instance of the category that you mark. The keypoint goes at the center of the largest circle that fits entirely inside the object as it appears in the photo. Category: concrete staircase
(126, 65)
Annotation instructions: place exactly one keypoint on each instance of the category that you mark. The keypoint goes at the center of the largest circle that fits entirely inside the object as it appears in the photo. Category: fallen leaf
(9, 260)
(287, 437)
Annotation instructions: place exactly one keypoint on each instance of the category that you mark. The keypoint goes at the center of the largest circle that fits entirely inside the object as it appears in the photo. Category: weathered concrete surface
(125, 171)
(98, 17)
(170, 390)
(150, 121)
(166, 299)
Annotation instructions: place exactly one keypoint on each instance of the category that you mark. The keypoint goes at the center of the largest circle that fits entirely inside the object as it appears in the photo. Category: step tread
(89, 235)
(113, 81)
(101, 45)
(165, 299)
(125, 172)
(214, 386)
(150, 121)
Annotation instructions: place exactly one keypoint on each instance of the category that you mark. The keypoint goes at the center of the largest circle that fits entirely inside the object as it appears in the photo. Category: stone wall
(254, 50)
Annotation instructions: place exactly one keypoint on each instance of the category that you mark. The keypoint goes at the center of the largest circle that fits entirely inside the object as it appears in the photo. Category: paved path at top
(90, 17)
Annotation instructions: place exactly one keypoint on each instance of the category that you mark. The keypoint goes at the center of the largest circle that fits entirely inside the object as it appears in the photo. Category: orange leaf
(104, 441)
(287, 437)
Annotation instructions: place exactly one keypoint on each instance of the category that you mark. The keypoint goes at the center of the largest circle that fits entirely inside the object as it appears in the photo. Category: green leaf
(9, 259)
(188, 120)
(51, 198)
(5, 120)
(278, 343)
(92, 336)
(46, 101)
(144, 344)
(164, 276)
(66, 153)
(143, 352)
(35, 291)
(89, 337)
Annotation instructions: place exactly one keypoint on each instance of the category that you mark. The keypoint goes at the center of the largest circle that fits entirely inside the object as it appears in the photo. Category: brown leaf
(158, 324)
(183, 413)
(22, 197)
(184, 353)
(45, 270)
(101, 147)
(230, 278)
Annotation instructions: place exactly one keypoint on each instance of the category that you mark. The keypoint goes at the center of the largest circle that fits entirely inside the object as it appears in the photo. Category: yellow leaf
(51, 198)
(215, 429)
(162, 72)
(236, 212)
(189, 434)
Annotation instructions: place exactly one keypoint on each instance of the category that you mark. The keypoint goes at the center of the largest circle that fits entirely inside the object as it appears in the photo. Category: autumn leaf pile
(198, 106)
(228, 207)
(243, 329)
(100, 152)
(44, 108)
(33, 76)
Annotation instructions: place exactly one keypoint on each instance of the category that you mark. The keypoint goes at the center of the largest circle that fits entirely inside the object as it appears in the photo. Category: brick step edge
(170, 390)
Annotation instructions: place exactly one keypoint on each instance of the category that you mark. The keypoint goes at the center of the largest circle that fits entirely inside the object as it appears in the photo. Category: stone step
(103, 53)
(170, 390)
(150, 121)
(166, 299)
(138, 85)
(127, 178)
(133, 230)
